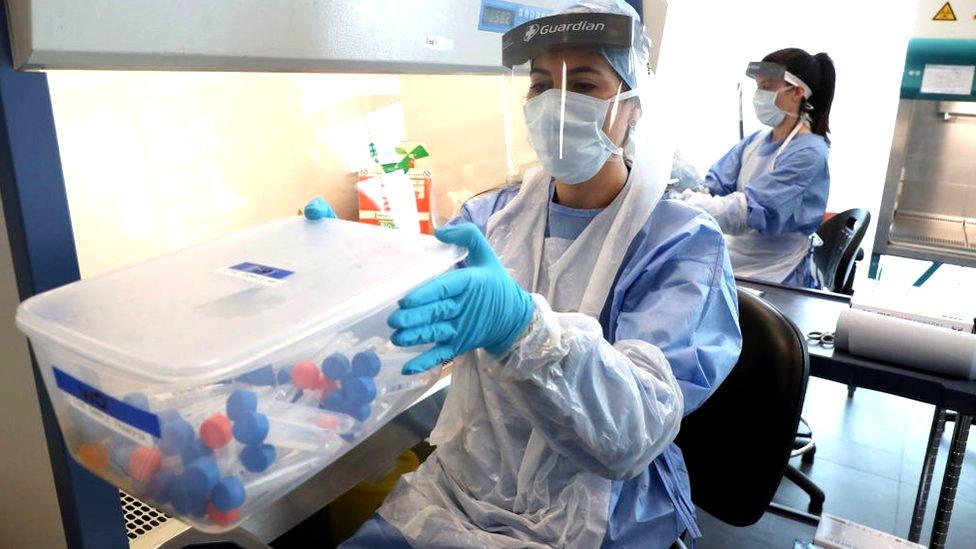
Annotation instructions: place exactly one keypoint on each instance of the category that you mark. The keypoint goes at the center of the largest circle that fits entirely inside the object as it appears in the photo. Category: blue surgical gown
(790, 198)
(675, 290)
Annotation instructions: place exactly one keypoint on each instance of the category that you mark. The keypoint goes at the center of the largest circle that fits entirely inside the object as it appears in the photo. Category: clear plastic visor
(771, 76)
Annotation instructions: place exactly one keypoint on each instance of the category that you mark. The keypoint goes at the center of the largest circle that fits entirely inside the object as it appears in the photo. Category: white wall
(155, 161)
(707, 44)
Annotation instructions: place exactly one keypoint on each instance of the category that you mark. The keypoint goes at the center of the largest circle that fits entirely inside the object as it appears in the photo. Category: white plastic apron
(754, 255)
(451, 501)
(581, 273)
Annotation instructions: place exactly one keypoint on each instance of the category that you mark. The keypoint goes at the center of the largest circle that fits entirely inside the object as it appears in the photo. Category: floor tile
(771, 532)
(863, 497)
(855, 455)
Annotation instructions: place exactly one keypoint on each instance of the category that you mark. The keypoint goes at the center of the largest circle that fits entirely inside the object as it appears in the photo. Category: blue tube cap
(251, 428)
(336, 401)
(159, 486)
(201, 476)
(258, 457)
(138, 400)
(336, 366)
(184, 499)
(361, 390)
(264, 376)
(228, 494)
(193, 451)
(240, 402)
(366, 364)
(177, 435)
(283, 376)
(359, 411)
(169, 416)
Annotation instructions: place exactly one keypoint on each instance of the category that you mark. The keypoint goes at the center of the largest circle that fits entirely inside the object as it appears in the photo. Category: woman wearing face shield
(769, 193)
(590, 316)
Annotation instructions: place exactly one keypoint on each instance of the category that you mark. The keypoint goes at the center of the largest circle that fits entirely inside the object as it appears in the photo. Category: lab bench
(818, 311)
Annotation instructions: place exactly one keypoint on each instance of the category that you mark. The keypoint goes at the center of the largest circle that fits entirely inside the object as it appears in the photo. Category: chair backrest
(841, 235)
(738, 443)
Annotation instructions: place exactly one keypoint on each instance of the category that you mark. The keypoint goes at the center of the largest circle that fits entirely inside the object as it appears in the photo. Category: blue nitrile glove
(475, 306)
(318, 208)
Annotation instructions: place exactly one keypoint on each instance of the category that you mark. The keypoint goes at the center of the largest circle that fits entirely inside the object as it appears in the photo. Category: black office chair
(836, 259)
(752, 417)
(836, 263)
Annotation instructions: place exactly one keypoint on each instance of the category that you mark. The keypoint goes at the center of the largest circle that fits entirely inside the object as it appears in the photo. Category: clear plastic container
(213, 380)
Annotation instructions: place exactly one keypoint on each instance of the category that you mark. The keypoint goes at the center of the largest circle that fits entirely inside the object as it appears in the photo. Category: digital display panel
(496, 16)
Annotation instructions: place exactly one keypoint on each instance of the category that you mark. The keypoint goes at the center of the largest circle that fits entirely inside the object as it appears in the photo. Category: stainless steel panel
(933, 231)
(896, 161)
(929, 253)
(928, 208)
(946, 199)
(425, 36)
(959, 108)
(971, 234)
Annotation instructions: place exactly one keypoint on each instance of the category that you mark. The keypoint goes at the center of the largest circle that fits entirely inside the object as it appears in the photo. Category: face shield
(773, 77)
(583, 84)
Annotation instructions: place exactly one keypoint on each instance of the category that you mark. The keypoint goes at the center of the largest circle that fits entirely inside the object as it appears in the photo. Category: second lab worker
(769, 193)
(590, 317)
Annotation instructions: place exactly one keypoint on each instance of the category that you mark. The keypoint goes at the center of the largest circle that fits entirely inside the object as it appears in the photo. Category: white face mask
(572, 147)
(766, 110)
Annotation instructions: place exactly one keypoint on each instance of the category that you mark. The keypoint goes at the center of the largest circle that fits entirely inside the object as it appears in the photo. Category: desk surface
(818, 311)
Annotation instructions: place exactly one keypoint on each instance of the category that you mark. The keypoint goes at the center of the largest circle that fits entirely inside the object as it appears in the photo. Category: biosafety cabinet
(928, 209)
(390, 37)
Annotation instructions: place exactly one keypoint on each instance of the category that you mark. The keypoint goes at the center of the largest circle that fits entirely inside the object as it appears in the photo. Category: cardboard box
(377, 214)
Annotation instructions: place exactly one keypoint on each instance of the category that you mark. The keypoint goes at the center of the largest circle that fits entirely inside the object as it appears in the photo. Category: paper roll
(907, 343)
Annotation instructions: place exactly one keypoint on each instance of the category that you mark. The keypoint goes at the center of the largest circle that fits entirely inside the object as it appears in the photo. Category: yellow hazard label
(945, 13)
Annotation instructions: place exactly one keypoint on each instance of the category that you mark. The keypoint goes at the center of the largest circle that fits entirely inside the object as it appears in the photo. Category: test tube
(309, 433)
(390, 381)
(230, 492)
(257, 484)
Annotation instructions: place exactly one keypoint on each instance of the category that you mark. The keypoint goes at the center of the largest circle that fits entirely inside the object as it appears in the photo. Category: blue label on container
(106, 407)
(255, 272)
(262, 270)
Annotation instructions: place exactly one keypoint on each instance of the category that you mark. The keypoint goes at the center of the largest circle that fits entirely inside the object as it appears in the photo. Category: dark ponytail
(817, 71)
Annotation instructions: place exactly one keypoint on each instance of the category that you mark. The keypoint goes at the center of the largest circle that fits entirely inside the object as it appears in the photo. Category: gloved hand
(478, 306)
(693, 196)
(318, 208)
(730, 211)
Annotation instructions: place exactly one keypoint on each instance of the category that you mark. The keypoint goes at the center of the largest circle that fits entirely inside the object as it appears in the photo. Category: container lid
(216, 309)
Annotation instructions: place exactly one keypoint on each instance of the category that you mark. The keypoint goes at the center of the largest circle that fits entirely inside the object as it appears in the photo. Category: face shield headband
(578, 30)
(775, 71)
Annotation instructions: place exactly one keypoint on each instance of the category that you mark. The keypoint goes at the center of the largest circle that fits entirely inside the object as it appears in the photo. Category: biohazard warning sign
(945, 13)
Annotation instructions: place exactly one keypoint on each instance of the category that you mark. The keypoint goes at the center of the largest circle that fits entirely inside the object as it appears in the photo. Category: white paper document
(948, 79)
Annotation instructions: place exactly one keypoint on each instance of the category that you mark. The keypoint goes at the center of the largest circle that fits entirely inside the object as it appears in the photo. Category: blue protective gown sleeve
(611, 409)
(684, 302)
(723, 177)
(793, 196)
